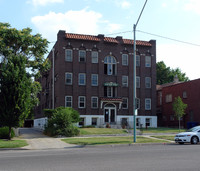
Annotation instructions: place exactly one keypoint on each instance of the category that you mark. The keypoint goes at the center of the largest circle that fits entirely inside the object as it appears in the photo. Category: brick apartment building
(94, 75)
(190, 94)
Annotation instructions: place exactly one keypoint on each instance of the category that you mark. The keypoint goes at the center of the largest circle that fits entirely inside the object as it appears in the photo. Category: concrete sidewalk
(37, 140)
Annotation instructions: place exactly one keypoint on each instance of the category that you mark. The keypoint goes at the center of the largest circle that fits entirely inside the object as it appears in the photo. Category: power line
(156, 35)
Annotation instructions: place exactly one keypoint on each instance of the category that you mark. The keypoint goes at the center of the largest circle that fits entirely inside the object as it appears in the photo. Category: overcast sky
(175, 19)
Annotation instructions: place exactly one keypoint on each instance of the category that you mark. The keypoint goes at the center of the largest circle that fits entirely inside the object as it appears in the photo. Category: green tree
(166, 74)
(14, 92)
(179, 108)
(21, 59)
(61, 122)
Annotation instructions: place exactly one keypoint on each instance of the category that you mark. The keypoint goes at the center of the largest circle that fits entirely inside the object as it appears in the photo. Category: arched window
(110, 65)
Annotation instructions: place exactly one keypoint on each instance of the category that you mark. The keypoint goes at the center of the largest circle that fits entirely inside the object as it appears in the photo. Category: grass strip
(164, 137)
(103, 131)
(110, 140)
(12, 143)
(162, 130)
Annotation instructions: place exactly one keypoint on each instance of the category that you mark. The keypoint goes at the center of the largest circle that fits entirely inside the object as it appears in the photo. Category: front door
(109, 114)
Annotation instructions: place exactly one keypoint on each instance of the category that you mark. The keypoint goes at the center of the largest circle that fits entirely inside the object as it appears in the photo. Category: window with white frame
(125, 81)
(94, 79)
(124, 103)
(68, 55)
(137, 82)
(184, 94)
(110, 91)
(168, 98)
(147, 104)
(138, 122)
(147, 61)
(81, 101)
(137, 60)
(148, 82)
(68, 101)
(124, 59)
(94, 121)
(68, 78)
(148, 122)
(81, 79)
(137, 103)
(94, 102)
(94, 57)
(110, 65)
(82, 55)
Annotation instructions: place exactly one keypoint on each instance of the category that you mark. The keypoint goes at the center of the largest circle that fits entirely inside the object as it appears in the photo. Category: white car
(191, 136)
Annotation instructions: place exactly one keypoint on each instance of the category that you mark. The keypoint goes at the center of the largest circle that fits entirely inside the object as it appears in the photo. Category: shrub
(4, 131)
(61, 122)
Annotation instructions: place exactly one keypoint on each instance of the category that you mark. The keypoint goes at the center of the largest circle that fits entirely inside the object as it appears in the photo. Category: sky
(161, 19)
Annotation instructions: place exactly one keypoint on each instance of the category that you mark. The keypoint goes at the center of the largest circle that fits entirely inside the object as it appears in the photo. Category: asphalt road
(107, 158)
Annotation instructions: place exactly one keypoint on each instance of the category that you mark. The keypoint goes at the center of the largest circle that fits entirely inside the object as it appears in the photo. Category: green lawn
(165, 137)
(162, 130)
(12, 143)
(110, 140)
(98, 131)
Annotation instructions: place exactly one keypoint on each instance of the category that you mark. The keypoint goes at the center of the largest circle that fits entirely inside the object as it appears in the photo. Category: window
(147, 104)
(94, 101)
(148, 122)
(184, 94)
(81, 101)
(68, 101)
(124, 103)
(94, 121)
(171, 117)
(82, 122)
(82, 56)
(125, 81)
(137, 82)
(124, 59)
(147, 61)
(137, 60)
(68, 55)
(94, 79)
(81, 79)
(148, 82)
(137, 103)
(110, 65)
(168, 98)
(94, 57)
(138, 122)
(68, 78)
(110, 91)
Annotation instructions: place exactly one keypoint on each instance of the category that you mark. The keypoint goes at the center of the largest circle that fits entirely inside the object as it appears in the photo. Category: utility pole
(134, 74)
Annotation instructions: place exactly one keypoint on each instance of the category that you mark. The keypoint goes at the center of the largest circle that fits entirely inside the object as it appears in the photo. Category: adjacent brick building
(94, 75)
(190, 94)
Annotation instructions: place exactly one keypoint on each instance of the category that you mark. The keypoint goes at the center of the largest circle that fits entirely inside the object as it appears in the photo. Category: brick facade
(190, 94)
(110, 91)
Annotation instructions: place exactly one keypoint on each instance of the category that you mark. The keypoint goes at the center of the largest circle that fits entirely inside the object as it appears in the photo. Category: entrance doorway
(109, 113)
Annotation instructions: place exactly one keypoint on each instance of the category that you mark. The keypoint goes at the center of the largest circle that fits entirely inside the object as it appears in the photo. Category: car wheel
(194, 140)
(181, 142)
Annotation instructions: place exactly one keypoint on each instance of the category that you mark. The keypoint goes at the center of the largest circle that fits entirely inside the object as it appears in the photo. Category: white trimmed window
(82, 55)
(125, 81)
(148, 82)
(147, 104)
(124, 103)
(68, 78)
(168, 98)
(124, 59)
(94, 79)
(147, 61)
(137, 60)
(148, 121)
(94, 102)
(110, 65)
(137, 82)
(68, 55)
(81, 101)
(81, 79)
(68, 101)
(94, 57)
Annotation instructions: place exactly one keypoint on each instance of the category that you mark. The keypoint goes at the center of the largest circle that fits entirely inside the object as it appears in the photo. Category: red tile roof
(106, 39)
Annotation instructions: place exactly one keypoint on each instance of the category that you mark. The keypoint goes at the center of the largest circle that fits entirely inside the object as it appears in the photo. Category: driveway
(37, 140)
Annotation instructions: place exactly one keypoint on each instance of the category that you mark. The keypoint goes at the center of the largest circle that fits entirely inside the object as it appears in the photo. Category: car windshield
(194, 129)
